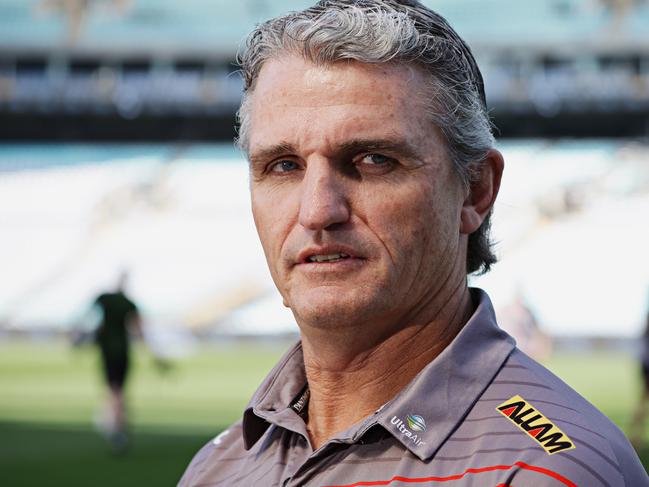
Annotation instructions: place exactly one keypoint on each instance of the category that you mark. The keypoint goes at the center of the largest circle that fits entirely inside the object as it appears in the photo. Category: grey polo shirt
(481, 414)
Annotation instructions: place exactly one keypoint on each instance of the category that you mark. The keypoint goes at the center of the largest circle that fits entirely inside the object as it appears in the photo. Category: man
(119, 318)
(637, 429)
(373, 175)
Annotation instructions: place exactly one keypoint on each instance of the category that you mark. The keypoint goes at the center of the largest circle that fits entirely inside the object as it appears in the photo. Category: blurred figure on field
(519, 321)
(637, 433)
(119, 320)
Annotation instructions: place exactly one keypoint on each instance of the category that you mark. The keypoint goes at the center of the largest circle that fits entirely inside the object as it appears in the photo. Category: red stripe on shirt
(415, 480)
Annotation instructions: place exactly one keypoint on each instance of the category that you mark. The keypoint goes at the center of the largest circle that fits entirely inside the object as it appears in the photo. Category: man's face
(354, 197)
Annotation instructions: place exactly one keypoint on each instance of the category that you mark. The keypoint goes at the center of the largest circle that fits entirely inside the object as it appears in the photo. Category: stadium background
(116, 121)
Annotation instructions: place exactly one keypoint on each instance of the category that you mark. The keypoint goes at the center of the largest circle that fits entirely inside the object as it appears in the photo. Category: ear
(482, 193)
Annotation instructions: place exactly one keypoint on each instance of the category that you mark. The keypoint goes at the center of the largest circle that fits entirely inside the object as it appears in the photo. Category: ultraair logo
(415, 424)
(536, 425)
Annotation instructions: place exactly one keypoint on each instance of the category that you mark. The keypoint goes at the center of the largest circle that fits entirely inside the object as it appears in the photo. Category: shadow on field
(57, 456)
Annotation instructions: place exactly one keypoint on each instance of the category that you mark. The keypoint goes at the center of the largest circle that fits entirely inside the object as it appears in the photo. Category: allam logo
(415, 423)
(536, 425)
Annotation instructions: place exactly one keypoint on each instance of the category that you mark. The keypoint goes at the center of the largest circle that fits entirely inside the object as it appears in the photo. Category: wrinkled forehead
(294, 75)
(335, 111)
(292, 84)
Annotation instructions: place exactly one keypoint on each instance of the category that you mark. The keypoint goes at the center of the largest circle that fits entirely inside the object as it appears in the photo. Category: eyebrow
(351, 147)
(271, 152)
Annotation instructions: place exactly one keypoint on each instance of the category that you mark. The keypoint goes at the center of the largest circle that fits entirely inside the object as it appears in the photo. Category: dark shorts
(115, 370)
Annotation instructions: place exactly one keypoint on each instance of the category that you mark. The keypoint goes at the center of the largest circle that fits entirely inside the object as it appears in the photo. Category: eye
(374, 163)
(284, 166)
(376, 160)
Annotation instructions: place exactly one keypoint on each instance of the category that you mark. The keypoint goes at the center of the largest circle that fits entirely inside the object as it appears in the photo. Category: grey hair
(384, 31)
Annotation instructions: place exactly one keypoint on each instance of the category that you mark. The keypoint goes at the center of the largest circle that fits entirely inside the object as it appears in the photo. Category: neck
(350, 378)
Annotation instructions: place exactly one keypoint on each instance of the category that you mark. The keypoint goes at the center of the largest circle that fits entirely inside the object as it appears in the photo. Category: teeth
(327, 258)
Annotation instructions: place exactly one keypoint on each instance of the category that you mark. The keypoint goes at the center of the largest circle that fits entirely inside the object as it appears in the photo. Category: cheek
(273, 221)
(413, 226)
(405, 215)
(265, 221)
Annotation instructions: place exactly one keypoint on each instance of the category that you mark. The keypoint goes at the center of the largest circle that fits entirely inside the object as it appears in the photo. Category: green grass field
(50, 393)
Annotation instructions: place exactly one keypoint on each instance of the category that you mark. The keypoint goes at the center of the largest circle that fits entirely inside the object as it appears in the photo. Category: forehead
(298, 101)
(302, 76)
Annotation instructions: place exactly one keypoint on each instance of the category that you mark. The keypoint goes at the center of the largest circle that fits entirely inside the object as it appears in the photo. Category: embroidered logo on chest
(536, 425)
(415, 423)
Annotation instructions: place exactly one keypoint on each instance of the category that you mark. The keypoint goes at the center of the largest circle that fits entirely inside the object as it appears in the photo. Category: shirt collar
(424, 414)
(442, 394)
(272, 401)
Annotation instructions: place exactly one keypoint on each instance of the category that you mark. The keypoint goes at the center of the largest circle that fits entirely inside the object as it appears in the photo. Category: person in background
(517, 319)
(120, 320)
(637, 432)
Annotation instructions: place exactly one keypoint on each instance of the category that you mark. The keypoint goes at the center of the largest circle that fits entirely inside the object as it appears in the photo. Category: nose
(323, 201)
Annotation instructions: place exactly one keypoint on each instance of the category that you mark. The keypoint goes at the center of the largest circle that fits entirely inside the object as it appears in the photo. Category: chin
(332, 308)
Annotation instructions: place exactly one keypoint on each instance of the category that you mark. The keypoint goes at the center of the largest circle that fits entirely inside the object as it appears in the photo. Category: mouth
(327, 258)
